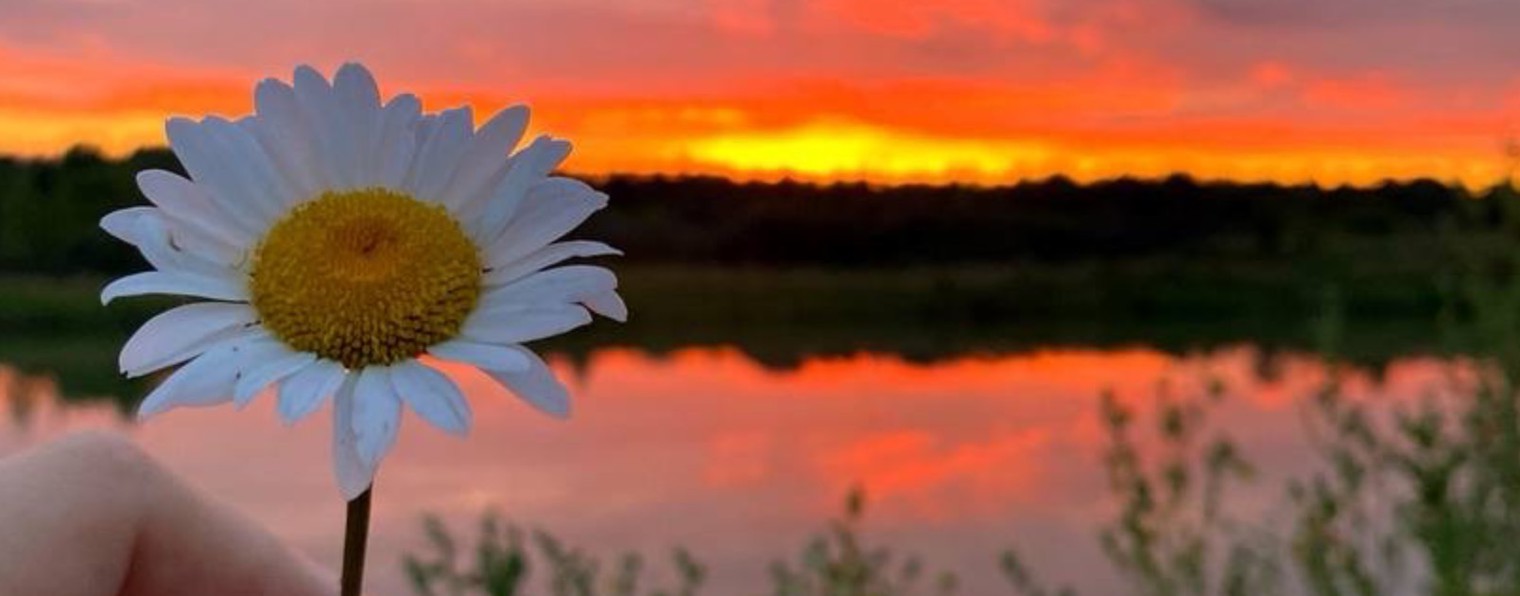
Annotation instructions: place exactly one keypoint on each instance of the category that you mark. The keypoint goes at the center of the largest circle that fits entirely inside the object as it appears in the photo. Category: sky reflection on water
(708, 449)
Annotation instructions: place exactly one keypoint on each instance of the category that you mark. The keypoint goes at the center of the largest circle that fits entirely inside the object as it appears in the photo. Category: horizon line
(783, 176)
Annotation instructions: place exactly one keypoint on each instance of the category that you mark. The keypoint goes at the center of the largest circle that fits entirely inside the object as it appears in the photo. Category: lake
(961, 453)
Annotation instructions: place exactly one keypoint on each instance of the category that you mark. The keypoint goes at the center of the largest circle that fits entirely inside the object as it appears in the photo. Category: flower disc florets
(365, 277)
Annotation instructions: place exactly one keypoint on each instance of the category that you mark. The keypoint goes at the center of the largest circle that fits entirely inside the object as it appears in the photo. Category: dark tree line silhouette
(49, 209)
(1054, 220)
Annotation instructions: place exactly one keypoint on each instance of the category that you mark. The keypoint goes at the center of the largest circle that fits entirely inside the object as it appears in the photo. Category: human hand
(92, 515)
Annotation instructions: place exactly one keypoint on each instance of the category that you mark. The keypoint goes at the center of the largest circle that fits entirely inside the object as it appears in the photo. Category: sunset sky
(971, 90)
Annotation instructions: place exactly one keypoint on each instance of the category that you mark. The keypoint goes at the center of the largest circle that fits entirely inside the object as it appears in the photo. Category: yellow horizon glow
(728, 142)
(832, 150)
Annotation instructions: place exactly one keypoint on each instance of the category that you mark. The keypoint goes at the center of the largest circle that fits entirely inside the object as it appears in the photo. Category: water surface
(742, 463)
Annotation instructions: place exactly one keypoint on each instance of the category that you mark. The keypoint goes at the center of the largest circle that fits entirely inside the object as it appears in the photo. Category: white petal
(549, 255)
(551, 209)
(439, 154)
(214, 249)
(303, 392)
(356, 88)
(282, 130)
(377, 413)
(192, 145)
(398, 140)
(608, 304)
(184, 202)
(432, 396)
(537, 386)
(128, 225)
(253, 354)
(319, 108)
(511, 325)
(152, 232)
(184, 284)
(231, 167)
(147, 229)
(271, 370)
(181, 333)
(487, 219)
(481, 167)
(262, 189)
(560, 285)
(191, 220)
(426, 125)
(483, 355)
(353, 473)
(204, 381)
(359, 107)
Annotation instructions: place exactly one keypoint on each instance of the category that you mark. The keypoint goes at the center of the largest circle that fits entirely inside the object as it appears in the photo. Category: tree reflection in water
(1409, 498)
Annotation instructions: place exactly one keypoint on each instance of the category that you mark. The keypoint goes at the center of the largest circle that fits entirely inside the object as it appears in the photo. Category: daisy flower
(343, 247)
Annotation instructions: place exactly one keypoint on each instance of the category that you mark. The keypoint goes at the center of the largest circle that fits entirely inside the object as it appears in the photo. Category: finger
(91, 515)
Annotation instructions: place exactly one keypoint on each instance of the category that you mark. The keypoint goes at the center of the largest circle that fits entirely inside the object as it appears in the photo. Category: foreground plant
(502, 563)
(837, 562)
(840, 563)
(344, 247)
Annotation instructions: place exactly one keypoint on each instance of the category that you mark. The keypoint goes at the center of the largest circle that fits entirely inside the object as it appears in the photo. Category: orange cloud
(921, 19)
(743, 17)
(1369, 92)
(1271, 74)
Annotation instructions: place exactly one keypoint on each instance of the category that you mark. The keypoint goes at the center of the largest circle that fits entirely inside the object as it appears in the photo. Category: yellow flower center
(365, 277)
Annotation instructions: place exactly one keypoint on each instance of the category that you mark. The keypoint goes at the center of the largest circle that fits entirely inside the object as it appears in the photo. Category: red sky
(976, 90)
